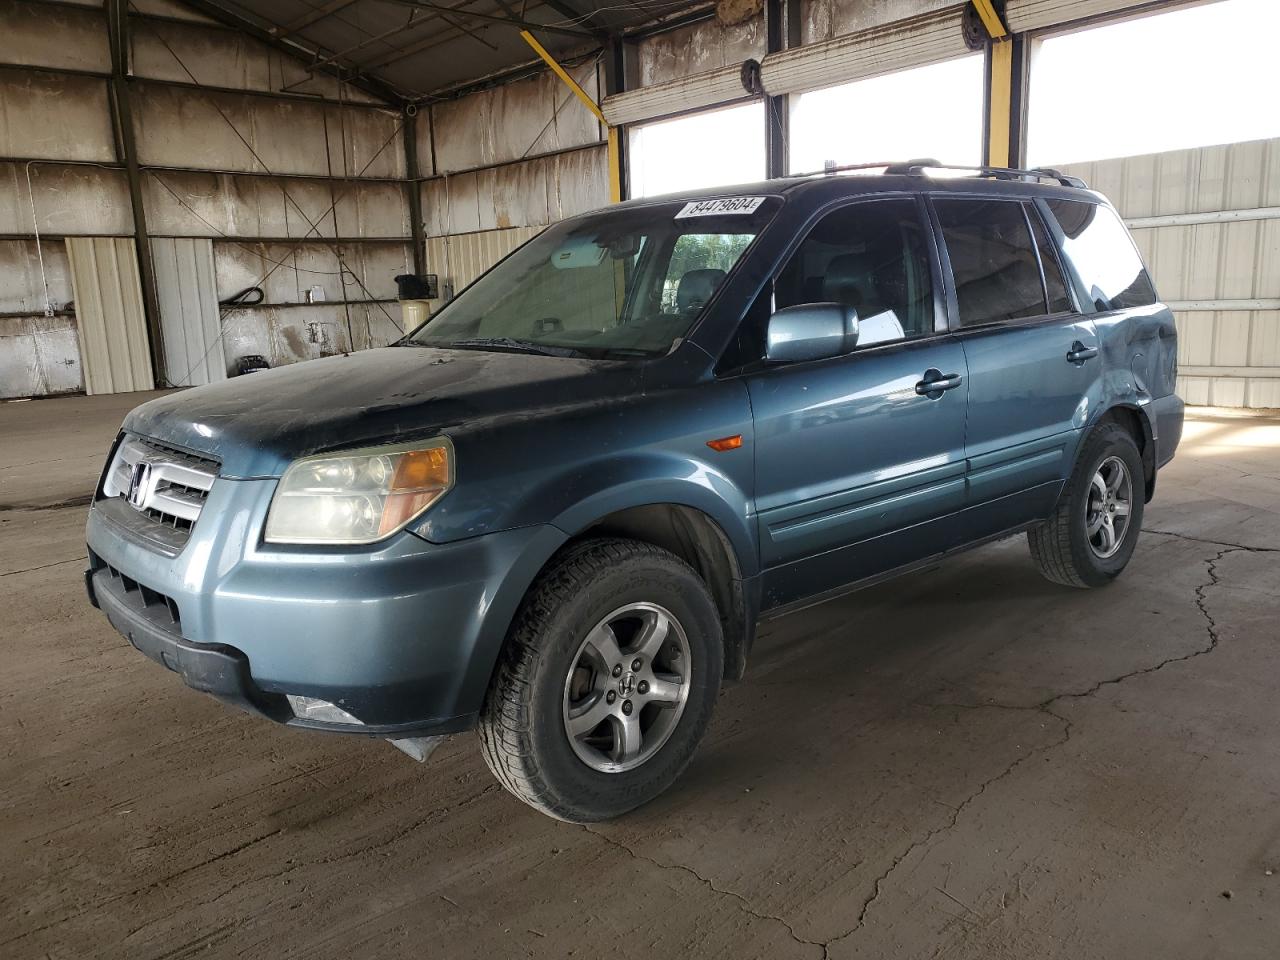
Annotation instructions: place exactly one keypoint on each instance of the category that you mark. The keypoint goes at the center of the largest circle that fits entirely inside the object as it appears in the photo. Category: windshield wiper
(511, 344)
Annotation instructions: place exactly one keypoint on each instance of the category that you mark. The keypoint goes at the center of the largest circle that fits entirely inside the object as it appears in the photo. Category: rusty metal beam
(122, 121)
(496, 18)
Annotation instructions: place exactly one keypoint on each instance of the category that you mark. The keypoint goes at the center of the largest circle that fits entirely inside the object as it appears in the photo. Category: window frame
(933, 253)
(953, 302)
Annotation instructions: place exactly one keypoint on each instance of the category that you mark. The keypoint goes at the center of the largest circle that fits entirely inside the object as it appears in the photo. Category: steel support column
(782, 32)
(127, 153)
(1005, 84)
(413, 187)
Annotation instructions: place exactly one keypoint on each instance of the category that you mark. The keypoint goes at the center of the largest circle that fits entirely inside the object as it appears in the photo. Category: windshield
(613, 284)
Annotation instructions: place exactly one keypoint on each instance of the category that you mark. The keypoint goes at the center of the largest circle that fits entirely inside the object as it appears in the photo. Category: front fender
(649, 478)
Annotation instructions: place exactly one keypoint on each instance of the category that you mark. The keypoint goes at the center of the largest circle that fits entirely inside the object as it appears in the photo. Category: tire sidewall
(1110, 441)
(670, 584)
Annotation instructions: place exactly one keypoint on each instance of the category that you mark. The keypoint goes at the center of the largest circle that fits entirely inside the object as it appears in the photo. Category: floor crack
(1045, 707)
(743, 904)
(43, 566)
(1214, 543)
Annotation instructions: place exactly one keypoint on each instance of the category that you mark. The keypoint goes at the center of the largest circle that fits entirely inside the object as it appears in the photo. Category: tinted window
(872, 257)
(1055, 286)
(994, 263)
(1101, 252)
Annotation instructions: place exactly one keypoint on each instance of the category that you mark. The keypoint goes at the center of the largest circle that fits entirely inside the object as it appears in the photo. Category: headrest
(696, 288)
(850, 279)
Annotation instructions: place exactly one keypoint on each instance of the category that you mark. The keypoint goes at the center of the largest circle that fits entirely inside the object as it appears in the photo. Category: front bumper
(401, 634)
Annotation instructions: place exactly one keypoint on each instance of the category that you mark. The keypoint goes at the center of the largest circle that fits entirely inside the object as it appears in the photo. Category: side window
(871, 256)
(1055, 286)
(993, 260)
(1101, 252)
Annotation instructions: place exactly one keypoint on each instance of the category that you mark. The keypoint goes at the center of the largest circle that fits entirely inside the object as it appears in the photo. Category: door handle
(1079, 353)
(935, 381)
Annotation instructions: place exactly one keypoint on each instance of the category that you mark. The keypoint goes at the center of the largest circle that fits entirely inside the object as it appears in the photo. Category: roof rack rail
(916, 168)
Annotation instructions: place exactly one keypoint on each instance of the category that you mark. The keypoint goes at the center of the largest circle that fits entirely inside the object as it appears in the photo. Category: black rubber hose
(239, 299)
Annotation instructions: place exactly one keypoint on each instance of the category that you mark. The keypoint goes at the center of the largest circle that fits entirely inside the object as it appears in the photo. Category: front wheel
(607, 681)
(1093, 532)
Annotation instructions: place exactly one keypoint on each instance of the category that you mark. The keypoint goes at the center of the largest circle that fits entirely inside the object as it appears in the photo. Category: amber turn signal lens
(421, 470)
(726, 443)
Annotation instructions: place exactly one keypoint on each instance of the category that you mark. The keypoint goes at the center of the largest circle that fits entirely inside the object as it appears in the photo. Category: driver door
(858, 464)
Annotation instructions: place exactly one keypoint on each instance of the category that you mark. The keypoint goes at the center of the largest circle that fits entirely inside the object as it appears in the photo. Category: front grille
(154, 605)
(172, 487)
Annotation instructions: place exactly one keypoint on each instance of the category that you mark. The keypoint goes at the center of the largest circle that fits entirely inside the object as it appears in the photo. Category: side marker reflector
(726, 443)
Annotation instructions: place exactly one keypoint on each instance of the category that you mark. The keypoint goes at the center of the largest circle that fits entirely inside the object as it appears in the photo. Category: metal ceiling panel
(114, 348)
(188, 296)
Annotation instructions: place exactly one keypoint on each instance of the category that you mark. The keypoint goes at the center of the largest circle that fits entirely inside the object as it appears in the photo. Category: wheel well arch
(1138, 426)
(699, 541)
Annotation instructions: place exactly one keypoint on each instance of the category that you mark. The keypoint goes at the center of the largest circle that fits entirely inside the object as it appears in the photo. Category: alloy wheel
(1109, 507)
(627, 687)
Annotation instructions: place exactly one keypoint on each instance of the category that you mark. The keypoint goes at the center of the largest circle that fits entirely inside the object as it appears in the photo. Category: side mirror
(811, 331)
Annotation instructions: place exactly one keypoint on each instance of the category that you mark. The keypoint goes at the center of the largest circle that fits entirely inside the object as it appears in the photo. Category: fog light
(309, 708)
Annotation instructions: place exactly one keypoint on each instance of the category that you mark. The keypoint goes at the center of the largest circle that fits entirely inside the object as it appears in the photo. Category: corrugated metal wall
(188, 295)
(114, 347)
(298, 182)
(1223, 276)
(460, 259)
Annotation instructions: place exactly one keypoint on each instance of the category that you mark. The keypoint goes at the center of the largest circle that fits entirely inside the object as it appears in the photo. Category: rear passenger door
(1032, 358)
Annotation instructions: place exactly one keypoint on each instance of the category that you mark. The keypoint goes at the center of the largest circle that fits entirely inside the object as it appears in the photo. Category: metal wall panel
(286, 271)
(68, 199)
(187, 292)
(39, 356)
(40, 34)
(512, 121)
(225, 58)
(178, 127)
(825, 19)
(225, 205)
(698, 48)
(58, 117)
(1223, 278)
(114, 347)
(529, 194)
(23, 289)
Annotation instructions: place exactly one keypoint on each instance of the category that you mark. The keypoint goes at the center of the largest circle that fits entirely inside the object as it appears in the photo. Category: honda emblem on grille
(140, 485)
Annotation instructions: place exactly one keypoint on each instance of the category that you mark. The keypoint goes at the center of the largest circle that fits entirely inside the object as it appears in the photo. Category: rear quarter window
(1100, 252)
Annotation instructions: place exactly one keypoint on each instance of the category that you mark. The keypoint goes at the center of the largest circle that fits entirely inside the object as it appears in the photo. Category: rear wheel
(607, 681)
(1093, 533)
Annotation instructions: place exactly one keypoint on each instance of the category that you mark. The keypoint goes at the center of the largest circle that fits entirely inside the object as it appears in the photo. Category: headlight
(361, 496)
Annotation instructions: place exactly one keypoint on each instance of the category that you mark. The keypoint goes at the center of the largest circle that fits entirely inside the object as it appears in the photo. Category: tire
(552, 679)
(1063, 547)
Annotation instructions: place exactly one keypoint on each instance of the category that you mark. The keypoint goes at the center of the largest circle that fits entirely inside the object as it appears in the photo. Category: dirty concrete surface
(969, 762)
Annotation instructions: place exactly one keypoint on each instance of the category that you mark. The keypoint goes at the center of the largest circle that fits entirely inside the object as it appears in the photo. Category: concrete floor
(969, 762)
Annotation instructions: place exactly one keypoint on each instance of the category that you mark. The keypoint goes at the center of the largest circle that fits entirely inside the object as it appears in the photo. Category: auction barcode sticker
(707, 208)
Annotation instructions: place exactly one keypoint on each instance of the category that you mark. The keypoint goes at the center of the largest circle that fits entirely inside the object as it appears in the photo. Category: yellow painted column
(1000, 104)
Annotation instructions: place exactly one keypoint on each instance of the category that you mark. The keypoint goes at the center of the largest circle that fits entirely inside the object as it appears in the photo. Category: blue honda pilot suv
(556, 511)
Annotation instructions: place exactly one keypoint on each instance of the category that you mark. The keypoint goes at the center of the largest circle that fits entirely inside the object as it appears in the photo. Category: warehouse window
(932, 111)
(709, 149)
(1172, 81)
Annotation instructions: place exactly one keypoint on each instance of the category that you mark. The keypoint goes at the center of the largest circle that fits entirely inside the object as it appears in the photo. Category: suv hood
(258, 423)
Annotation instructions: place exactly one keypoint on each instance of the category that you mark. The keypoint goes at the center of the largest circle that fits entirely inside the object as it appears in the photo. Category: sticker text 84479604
(706, 208)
